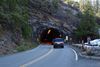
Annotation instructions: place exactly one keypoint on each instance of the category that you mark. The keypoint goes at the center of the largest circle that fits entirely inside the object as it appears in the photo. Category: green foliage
(72, 3)
(68, 1)
(54, 5)
(98, 14)
(26, 29)
(25, 46)
(97, 6)
(88, 24)
(15, 13)
(76, 4)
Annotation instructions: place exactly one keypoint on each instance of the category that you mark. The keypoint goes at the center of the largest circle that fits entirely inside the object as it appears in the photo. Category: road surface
(46, 56)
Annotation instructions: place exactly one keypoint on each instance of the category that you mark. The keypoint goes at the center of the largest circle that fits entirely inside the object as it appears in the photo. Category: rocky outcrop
(48, 6)
(65, 19)
(7, 45)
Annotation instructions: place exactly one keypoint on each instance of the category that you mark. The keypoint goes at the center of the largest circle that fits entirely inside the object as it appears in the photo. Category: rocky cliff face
(64, 19)
(7, 45)
(42, 15)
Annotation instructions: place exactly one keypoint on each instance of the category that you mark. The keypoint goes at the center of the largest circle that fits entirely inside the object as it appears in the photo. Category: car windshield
(95, 42)
(57, 40)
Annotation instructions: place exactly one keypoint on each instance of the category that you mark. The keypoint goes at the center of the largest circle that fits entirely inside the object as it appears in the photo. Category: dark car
(58, 43)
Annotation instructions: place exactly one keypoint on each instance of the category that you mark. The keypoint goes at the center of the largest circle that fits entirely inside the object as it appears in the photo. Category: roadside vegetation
(26, 46)
(88, 26)
(14, 16)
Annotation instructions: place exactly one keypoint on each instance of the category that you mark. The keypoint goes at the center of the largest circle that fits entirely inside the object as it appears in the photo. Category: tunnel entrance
(49, 34)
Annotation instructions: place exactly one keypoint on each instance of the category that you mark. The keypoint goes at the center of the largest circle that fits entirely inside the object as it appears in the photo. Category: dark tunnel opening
(49, 34)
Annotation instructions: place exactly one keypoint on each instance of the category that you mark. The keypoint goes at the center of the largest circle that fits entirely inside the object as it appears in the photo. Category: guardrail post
(82, 47)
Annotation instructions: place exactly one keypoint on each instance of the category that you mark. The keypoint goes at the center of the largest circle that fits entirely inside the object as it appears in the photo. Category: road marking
(38, 59)
(76, 55)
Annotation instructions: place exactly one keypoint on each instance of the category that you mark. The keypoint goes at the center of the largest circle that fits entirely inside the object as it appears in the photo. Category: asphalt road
(47, 56)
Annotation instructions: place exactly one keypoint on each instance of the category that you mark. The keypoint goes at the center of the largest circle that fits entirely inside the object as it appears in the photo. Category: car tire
(54, 46)
(62, 46)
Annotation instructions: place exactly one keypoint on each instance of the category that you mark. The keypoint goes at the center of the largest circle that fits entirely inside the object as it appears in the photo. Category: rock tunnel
(47, 35)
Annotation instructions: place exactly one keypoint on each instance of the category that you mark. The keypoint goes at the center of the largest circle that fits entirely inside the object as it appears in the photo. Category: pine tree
(14, 14)
(97, 5)
(87, 25)
(81, 3)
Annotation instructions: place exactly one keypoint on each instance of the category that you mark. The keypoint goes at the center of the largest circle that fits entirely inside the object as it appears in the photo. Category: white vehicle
(93, 46)
(58, 43)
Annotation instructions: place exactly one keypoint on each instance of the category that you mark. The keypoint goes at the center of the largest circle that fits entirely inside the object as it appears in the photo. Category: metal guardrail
(94, 49)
